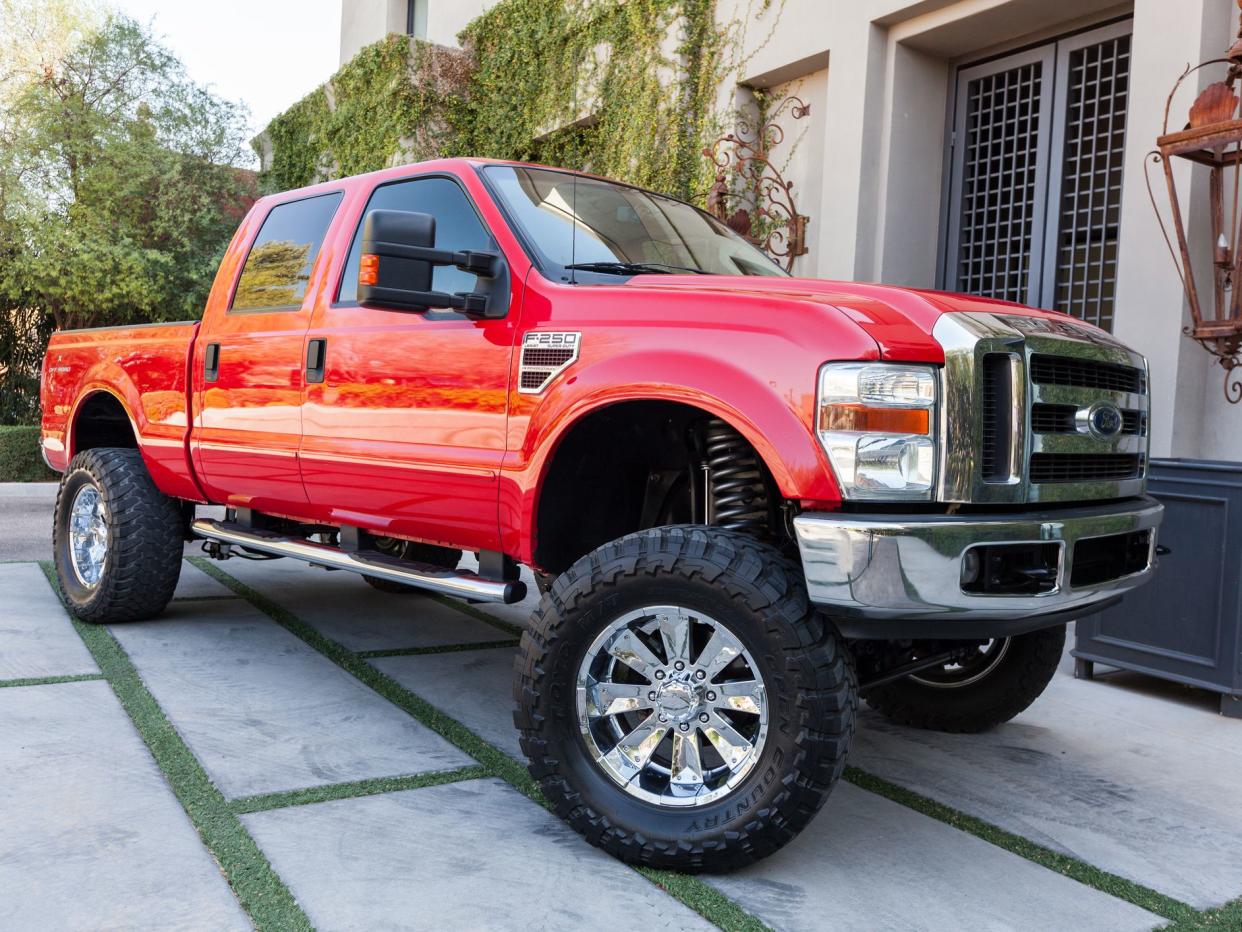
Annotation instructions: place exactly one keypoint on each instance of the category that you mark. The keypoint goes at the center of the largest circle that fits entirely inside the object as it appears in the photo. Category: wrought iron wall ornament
(1212, 136)
(750, 194)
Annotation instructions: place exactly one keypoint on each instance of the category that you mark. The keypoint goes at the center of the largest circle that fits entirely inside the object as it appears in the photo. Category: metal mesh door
(997, 223)
(1094, 83)
(1035, 175)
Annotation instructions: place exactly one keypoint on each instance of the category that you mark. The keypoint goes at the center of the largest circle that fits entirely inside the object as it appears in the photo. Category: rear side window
(280, 261)
(457, 227)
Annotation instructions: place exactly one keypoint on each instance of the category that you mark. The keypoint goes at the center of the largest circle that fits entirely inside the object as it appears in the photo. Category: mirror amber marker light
(368, 269)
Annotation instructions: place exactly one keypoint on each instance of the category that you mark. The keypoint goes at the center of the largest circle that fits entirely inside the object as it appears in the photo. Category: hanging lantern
(1213, 137)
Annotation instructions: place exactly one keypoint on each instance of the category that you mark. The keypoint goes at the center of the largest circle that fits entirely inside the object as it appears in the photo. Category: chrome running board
(465, 585)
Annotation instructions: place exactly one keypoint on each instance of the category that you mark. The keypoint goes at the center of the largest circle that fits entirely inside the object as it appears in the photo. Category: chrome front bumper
(899, 576)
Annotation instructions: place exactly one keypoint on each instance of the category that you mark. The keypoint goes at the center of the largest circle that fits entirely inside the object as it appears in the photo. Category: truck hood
(900, 320)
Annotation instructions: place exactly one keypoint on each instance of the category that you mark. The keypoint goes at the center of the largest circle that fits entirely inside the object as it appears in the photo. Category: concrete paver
(36, 637)
(345, 608)
(475, 687)
(195, 584)
(27, 508)
(92, 836)
(264, 712)
(471, 855)
(868, 863)
(1127, 783)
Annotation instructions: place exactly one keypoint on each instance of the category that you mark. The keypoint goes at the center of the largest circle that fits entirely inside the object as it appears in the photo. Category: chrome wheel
(672, 706)
(967, 671)
(88, 535)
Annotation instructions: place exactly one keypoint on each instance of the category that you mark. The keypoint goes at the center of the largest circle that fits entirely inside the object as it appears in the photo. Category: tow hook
(217, 550)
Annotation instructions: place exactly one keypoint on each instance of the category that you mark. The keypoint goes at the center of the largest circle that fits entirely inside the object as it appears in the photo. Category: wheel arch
(101, 418)
(640, 424)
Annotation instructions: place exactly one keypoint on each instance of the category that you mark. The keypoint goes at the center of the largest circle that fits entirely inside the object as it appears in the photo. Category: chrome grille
(1041, 438)
(996, 414)
(1060, 419)
(1085, 467)
(1085, 373)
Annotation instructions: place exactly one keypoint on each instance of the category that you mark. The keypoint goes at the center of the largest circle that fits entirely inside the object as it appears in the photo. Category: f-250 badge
(545, 355)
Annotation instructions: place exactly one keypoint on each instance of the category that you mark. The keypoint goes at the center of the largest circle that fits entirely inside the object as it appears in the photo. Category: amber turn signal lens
(864, 419)
(368, 269)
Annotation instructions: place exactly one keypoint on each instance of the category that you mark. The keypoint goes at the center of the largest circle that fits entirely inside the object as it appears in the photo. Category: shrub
(20, 459)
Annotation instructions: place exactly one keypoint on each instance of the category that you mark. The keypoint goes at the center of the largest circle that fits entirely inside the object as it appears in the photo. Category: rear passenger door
(249, 371)
(405, 432)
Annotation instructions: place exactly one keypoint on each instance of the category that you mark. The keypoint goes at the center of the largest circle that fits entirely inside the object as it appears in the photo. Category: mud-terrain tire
(975, 704)
(711, 579)
(409, 550)
(130, 537)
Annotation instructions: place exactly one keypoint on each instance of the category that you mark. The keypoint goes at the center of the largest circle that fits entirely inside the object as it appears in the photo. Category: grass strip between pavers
(353, 789)
(437, 649)
(259, 889)
(1071, 867)
(51, 680)
(706, 900)
(1226, 918)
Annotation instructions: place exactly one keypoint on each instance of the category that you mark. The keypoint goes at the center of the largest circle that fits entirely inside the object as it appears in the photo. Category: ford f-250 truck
(749, 499)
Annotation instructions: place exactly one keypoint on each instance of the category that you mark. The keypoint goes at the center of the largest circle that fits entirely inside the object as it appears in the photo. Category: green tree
(118, 191)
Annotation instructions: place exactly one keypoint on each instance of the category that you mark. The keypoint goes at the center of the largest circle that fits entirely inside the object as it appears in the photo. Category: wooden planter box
(1186, 624)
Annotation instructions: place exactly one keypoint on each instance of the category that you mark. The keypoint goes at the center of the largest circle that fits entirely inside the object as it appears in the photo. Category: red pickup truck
(749, 499)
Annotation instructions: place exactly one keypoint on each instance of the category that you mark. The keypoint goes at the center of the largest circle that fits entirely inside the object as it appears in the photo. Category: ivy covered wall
(625, 88)
(399, 100)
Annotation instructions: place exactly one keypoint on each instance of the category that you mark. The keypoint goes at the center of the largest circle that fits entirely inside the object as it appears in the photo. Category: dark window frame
(339, 193)
(412, 8)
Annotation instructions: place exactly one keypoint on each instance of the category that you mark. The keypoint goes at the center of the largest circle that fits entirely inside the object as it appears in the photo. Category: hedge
(20, 460)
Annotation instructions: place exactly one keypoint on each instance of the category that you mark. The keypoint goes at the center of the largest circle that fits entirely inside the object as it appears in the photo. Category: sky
(266, 53)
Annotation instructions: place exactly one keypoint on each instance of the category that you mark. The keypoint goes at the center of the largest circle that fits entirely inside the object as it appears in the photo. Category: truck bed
(143, 367)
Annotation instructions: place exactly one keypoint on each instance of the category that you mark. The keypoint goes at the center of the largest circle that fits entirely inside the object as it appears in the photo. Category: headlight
(877, 422)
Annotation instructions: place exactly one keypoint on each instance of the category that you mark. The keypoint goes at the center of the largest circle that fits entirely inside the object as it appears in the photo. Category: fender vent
(545, 355)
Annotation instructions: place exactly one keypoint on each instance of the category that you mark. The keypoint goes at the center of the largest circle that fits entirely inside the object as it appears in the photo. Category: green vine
(624, 88)
(397, 100)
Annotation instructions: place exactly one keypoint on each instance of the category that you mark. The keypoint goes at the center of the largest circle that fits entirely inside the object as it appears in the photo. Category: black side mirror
(398, 258)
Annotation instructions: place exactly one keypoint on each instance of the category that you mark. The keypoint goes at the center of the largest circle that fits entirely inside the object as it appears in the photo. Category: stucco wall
(367, 21)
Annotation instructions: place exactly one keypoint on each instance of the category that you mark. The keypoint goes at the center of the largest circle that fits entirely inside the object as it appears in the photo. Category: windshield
(621, 231)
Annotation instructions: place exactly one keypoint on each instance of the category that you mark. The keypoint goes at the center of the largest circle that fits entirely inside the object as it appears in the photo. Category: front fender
(776, 420)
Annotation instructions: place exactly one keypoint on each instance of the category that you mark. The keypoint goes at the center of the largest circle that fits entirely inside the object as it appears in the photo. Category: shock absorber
(739, 498)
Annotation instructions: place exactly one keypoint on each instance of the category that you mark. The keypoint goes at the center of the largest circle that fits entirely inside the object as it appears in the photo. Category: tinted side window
(457, 227)
(280, 260)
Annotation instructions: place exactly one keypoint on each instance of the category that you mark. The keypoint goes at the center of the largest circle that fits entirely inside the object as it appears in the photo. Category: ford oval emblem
(1101, 420)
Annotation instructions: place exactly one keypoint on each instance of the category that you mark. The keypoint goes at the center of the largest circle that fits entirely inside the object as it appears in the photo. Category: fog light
(970, 567)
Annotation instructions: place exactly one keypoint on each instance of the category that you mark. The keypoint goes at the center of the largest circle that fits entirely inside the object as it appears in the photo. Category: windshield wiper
(633, 268)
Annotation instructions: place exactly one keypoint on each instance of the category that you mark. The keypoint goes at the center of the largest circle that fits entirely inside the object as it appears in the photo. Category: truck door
(403, 426)
(248, 366)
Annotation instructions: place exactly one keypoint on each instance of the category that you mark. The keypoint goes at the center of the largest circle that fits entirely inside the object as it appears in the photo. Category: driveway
(289, 748)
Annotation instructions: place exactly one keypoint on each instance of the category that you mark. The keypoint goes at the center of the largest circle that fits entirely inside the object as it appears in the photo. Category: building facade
(995, 147)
